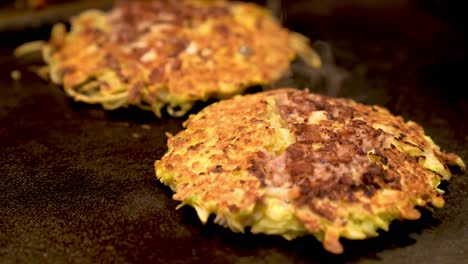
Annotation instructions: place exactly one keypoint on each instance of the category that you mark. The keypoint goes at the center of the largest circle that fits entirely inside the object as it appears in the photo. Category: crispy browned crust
(223, 146)
(339, 163)
(171, 53)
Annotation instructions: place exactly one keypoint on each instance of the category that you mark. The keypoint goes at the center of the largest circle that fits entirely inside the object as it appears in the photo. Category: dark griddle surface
(77, 183)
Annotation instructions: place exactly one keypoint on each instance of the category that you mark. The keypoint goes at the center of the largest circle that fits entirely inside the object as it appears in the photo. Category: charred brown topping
(131, 19)
(257, 167)
(302, 104)
(330, 159)
(373, 178)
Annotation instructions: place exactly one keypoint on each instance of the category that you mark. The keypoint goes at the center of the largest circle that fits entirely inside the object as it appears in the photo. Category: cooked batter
(292, 163)
(170, 54)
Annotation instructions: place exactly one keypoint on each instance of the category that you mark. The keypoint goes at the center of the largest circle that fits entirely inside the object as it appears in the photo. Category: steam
(275, 8)
(326, 80)
(333, 76)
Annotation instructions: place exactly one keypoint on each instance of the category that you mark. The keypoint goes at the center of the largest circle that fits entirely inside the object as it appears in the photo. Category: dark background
(77, 183)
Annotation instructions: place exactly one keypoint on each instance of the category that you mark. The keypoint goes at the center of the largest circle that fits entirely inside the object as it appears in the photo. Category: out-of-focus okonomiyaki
(169, 53)
(292, 163)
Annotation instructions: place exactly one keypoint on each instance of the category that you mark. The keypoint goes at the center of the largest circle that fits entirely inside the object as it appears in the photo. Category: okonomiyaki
(288, 162)
(169, 54)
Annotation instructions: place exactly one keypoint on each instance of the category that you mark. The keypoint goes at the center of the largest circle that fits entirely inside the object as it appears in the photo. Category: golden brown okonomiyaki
(170, 53)
(292, 163)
